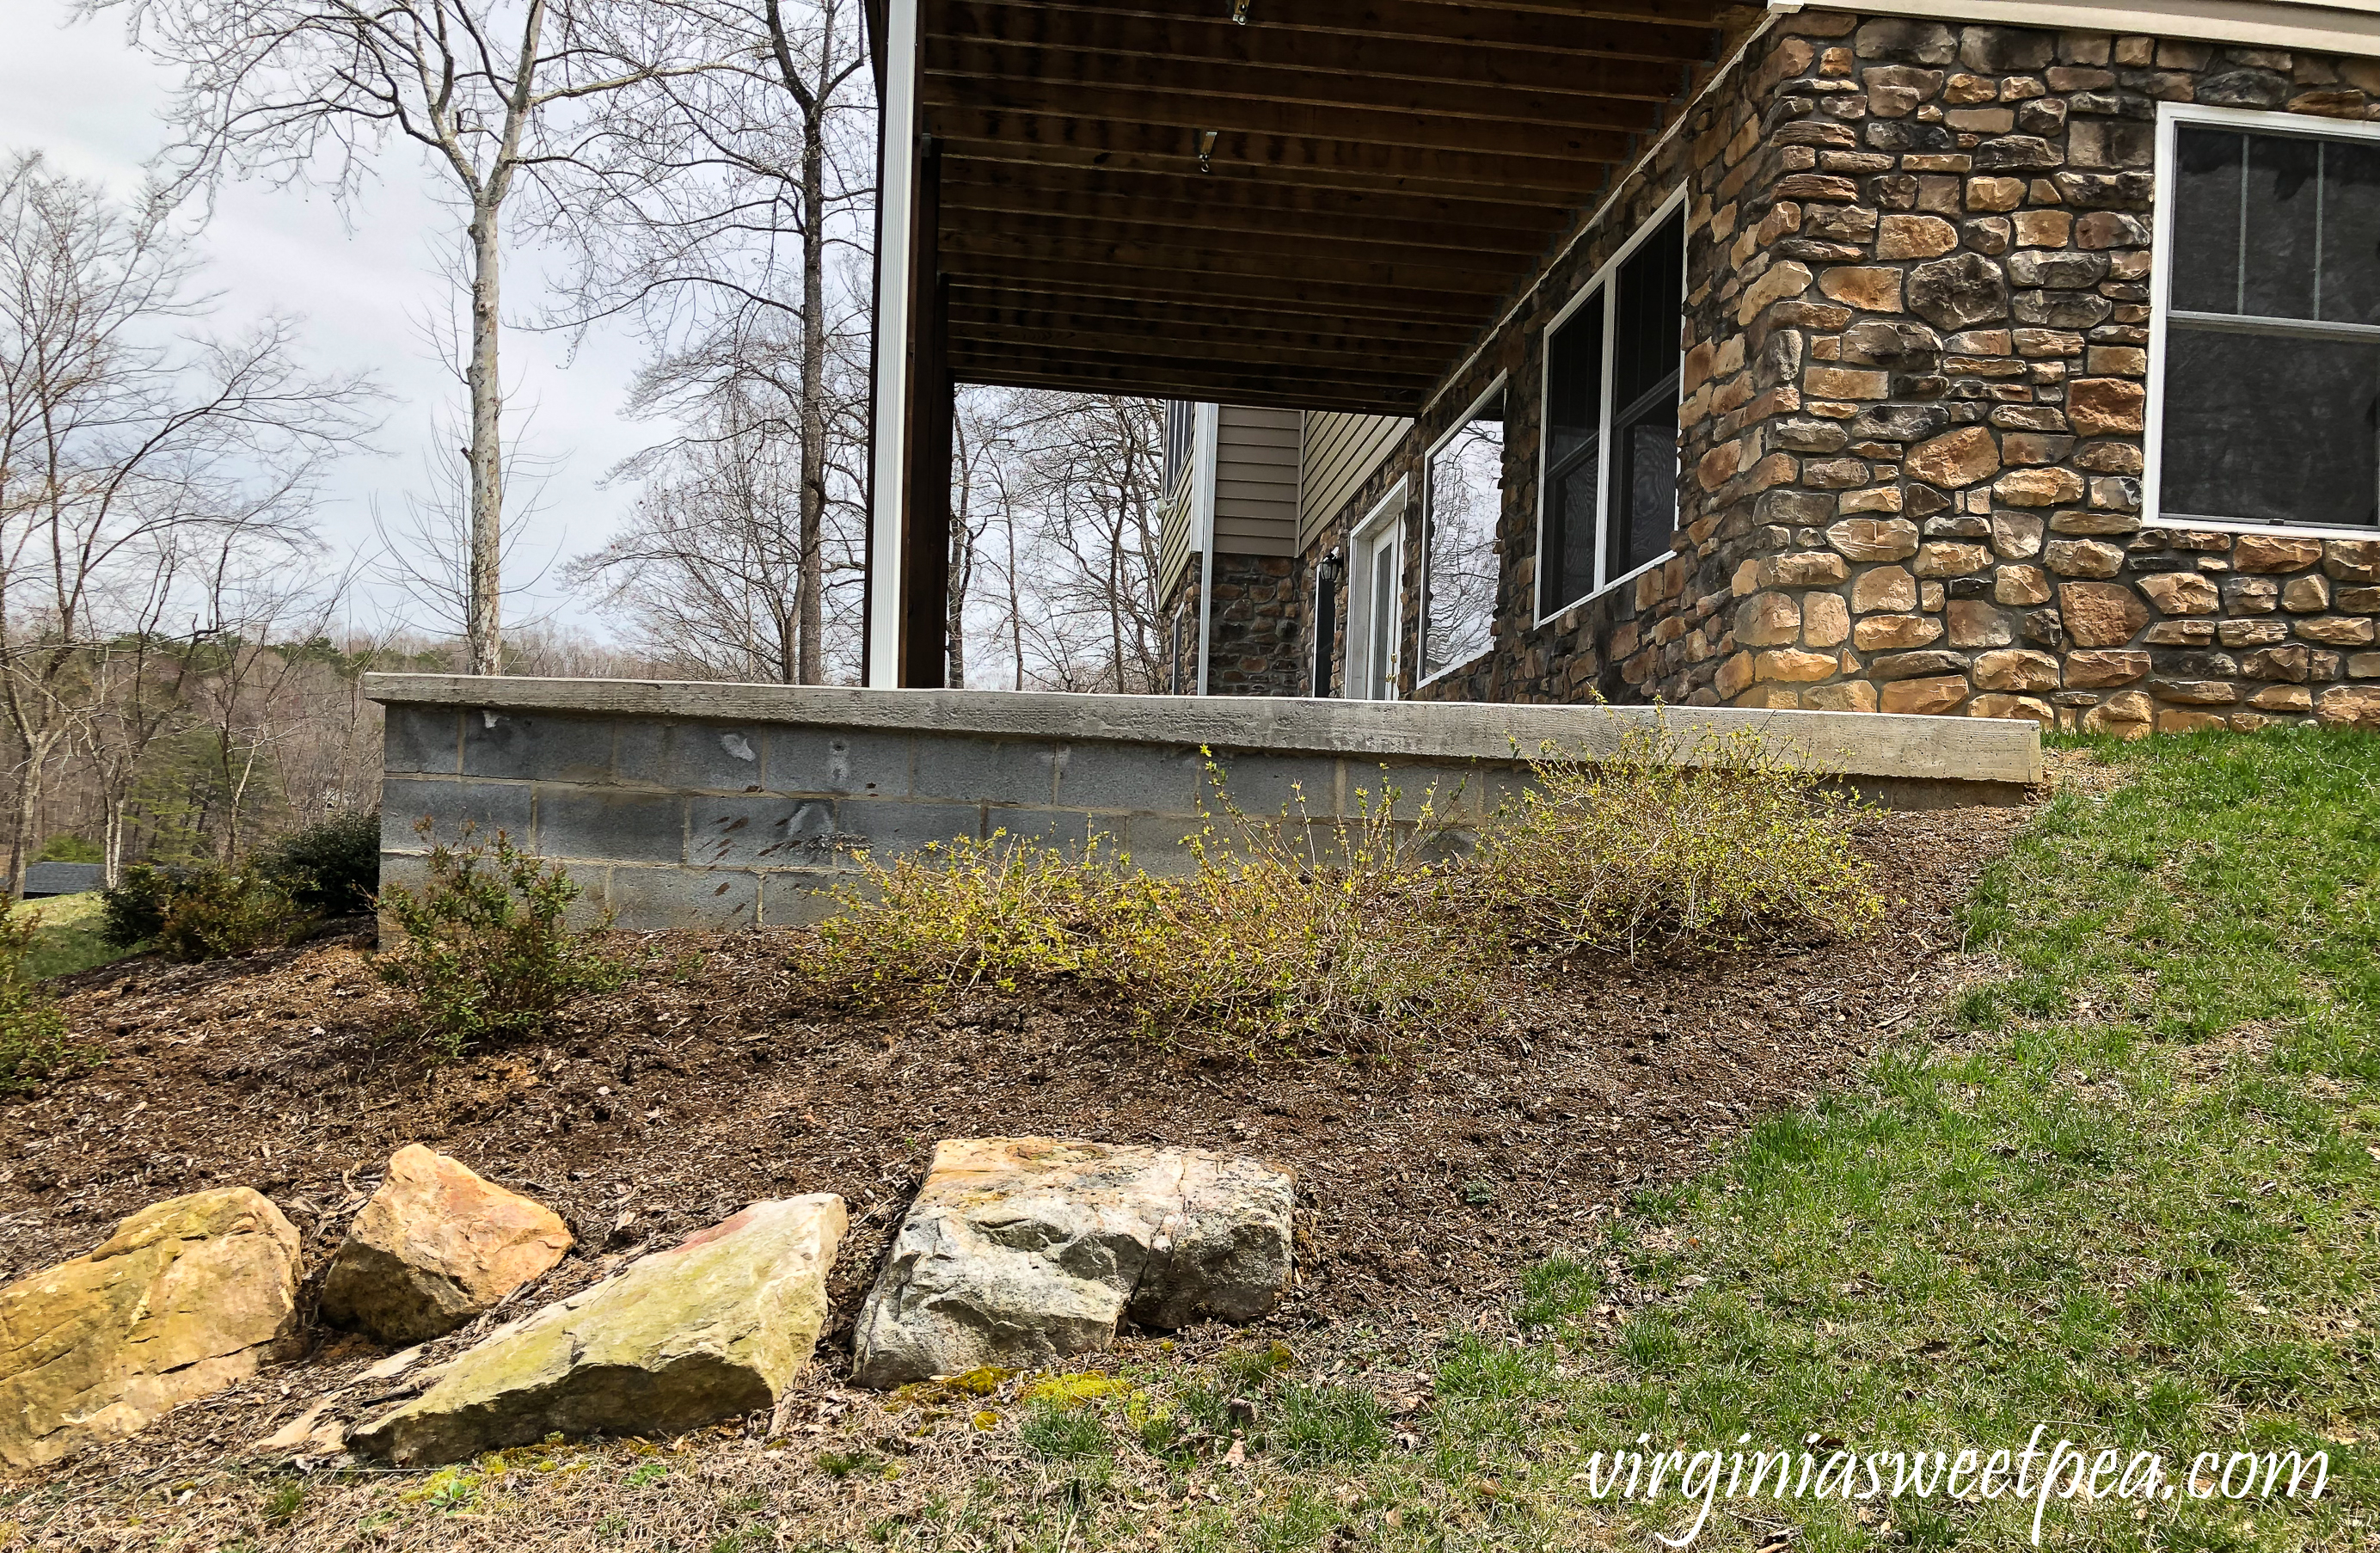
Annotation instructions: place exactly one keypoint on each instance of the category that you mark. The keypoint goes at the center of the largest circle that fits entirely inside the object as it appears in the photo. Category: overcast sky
(363, 282)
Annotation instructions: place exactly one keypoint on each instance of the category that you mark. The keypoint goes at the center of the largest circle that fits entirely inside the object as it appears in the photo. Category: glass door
(1372, 613)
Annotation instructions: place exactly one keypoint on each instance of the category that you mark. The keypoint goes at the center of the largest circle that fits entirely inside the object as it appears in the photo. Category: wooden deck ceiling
(1298, 203)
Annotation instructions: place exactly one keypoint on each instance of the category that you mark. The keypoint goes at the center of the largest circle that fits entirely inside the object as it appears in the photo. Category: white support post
(890, 426)
(1205, 443)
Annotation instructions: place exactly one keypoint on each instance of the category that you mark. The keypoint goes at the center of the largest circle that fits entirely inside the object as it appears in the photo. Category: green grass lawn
(69, 939)
(2124, 1188)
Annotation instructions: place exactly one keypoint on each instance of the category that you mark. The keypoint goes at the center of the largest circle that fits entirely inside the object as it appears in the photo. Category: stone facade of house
(1916, 342)
(1254, 639)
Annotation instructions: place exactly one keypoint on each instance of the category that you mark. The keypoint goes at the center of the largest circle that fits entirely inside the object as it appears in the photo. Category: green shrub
(32, 1030)
(68, 847)
(332, 865)
(133, 908)
(211, 914)
(486, 955)
(1664, 839)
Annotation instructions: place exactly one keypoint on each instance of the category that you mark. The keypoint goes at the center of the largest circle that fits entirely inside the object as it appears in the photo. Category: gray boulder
(705, 1330)
(1020, 1252)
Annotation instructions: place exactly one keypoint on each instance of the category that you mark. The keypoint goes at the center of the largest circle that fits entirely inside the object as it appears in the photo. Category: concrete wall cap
(1849, 744)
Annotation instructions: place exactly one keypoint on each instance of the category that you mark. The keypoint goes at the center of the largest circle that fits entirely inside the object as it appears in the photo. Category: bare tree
(121, 450)
(503, 97)
(140, 679)
(1072, 479)
(969, 485)
(261, 605)
(425, 552)
(714, 231)
(708, 567)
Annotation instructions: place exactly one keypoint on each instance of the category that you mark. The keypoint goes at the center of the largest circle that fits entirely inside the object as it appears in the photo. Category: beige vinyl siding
(1341, 452)
(1177, 536)
(1256, 481)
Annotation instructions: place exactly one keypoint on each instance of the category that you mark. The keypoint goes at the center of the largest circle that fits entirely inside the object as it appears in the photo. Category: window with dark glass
(2271, 341)
(1574, 456)
(1645, 367)
(1610, 502)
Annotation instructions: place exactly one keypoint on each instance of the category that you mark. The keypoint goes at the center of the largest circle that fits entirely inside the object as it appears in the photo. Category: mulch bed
(1427, 1183)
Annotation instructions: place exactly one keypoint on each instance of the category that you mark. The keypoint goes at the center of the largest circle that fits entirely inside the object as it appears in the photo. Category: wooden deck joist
(1405, 161)
(1315, 204)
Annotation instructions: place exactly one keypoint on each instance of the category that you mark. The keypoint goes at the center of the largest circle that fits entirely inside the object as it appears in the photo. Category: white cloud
(366, 281)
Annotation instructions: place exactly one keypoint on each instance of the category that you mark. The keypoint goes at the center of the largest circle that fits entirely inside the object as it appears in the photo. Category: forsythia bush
(1348, 934)
(1661, 842)
(486, 955)
(1323, 930)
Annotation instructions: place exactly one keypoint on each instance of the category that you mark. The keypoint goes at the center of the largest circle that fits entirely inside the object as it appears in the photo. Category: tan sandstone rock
(2101, 613)
(1956, 459)
(710, 1328)
(2352, 706)
(1020, 1252)
(435, 1248)
(1932, 697)
(177, 1304)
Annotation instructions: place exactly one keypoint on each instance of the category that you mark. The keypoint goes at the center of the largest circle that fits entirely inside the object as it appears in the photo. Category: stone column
(1941, 382)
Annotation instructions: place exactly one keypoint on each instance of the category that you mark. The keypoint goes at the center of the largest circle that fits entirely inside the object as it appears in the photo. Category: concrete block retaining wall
(727, 805)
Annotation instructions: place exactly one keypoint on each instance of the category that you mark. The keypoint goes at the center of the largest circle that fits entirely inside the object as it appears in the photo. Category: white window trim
(1600, 281)
(2171, 116)
(1428, 526)
(1388, 514)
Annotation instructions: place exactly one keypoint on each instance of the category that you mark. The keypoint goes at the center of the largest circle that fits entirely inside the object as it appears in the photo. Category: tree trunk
(20, 830)
(962, 553)
(810, 591)
(111, 855)
(1015, 603)
(486, 454)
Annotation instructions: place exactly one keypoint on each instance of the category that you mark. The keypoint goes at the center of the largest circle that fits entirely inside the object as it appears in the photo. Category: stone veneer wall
(1256, 638)
(1949, 519)
(1256, 641)
(1917, 322)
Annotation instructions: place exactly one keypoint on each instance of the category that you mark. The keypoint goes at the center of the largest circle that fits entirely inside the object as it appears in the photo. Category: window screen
(2272, 368)
(1465, 491)
(1574, 455)
(1645, 364)
(1611, 424)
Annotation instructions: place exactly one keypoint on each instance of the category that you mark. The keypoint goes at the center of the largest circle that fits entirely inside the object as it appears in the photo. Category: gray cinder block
(610, 824)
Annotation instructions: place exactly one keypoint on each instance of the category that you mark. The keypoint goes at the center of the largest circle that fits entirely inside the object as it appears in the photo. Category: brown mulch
(1427, 1183)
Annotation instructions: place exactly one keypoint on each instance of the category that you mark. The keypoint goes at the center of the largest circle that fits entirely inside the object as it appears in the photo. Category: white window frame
(1601, 284)
(2171, 116)
(1429, 526)
(1386, 519)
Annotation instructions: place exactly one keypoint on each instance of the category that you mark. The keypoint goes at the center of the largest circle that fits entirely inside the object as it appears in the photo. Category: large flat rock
(435, 1248)
(706, 1329)
(1020, 1252)
(178, 1303)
